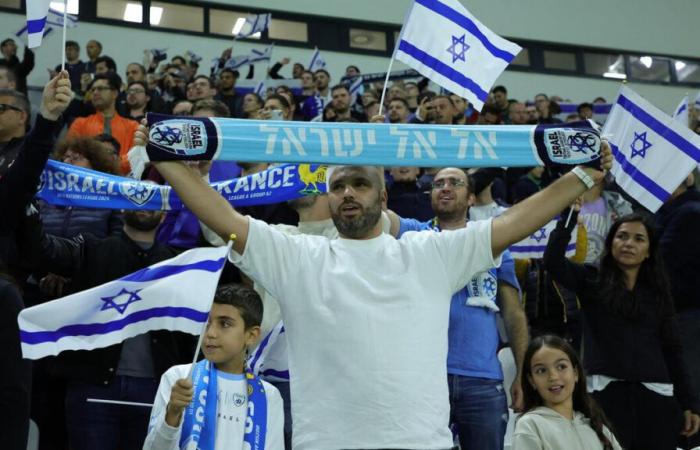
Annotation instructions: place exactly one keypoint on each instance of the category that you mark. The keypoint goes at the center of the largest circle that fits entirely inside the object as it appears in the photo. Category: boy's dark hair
(109, 62)
(500, 88)
(244, 299)
(338, 87)
(235, 73)
(280, 98)
(108, 139)
(584, 105)
(72, 44)
(324, 71)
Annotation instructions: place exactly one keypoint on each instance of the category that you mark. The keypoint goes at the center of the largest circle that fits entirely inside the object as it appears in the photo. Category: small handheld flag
(37, 12)
(172, 295)
(444, 42)
(254, 24)
(653, 152)
(317, 61)
(534, 245)
(681, 111)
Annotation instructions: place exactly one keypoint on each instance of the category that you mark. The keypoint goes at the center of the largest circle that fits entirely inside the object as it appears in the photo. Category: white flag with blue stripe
(653, 152)
(681, 111)
(235, 62)
(254, 24)
(697, 101)
(317, 61)
(534, 245)
(55, 17)
(37, 10)
(172, 295)
(445, 43)
(259, 56)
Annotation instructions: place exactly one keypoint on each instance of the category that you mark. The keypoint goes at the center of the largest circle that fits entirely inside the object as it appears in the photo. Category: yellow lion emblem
(311, 178)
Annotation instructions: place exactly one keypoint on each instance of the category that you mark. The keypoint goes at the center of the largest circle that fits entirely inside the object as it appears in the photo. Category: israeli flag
(697, 101)
(172, 295)
(681, 111)
(55, 17)
(317, 61)
(254, 24)
(236, 61)
(193, 57)
(260, 89)
(653, 152)
(258, 56)
(37, 11)
(444, 42)
(534, 245)
(356, 89)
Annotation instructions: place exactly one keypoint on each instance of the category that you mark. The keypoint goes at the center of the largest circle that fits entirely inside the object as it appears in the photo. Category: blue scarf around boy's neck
(199, 422)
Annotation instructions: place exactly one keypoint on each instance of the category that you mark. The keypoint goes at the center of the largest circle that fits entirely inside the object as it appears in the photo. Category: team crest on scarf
(138, 193)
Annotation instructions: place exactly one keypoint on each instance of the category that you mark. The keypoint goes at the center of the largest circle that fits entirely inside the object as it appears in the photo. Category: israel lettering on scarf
(444, 42)
(67, 185)
(252, 24)
(172, 295)
(196, 138)
(534, 245)
(37, 12)
(653, 152)
(317, 61)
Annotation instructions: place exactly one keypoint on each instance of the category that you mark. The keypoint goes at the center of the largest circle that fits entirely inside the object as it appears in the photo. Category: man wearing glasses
(105, 90)
(14, 114)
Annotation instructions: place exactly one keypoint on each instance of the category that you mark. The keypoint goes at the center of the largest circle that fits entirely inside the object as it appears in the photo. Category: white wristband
(583, 176)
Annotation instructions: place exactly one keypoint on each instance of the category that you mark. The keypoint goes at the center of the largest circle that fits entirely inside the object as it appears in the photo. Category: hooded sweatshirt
(545, 429)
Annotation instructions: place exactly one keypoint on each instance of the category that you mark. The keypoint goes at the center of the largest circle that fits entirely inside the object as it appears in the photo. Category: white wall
(640, 25)
(126, 45)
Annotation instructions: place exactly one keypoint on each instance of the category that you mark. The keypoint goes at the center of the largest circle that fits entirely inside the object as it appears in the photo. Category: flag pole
(232, 239)
(63, 53)
(391, 62)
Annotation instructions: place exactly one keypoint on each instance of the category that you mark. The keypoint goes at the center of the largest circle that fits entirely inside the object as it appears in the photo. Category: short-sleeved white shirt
(366, 323)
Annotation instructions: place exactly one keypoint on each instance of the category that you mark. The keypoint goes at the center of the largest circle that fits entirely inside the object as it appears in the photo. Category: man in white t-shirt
(366, 315)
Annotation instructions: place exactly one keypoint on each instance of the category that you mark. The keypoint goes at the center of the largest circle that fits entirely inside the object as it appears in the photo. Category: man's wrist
(586, 177)
(46, 114)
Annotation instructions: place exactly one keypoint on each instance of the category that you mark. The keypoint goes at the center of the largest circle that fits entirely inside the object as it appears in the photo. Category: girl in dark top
(632, 352)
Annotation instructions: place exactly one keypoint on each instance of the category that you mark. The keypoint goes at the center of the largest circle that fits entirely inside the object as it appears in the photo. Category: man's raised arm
(209, 207)
(531, 214)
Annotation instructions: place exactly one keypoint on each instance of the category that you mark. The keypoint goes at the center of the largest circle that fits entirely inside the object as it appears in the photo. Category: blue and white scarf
(190, 138)
(199, 422)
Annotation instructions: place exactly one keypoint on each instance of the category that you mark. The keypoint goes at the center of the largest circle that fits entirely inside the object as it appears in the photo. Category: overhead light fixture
(71, 4)
(238, 25)
(680, 65)
(133, 12)
(156, 13)
(617, 76)
(646, 60)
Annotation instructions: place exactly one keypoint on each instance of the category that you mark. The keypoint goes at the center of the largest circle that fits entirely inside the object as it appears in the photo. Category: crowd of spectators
(639, 338)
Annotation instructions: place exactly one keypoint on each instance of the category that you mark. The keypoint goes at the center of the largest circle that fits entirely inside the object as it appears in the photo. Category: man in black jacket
(21, 69)
(129, 371)
(679, 242)
(18, 184)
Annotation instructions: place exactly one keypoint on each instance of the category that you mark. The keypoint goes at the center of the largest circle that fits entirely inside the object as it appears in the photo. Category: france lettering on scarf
(67, 185)
(258, 56)
(681, 111)
(653, 152)
(254, 24)
(534, 245)
(172, 295)
(444, 42)
(317, 61)
(37, 11)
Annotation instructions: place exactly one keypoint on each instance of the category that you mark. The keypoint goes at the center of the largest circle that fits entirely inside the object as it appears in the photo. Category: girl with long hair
(632, 352)
(558, 412)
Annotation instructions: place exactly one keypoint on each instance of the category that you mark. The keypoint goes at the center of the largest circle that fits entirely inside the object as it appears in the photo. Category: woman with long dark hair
(632, 353)
(558, 412)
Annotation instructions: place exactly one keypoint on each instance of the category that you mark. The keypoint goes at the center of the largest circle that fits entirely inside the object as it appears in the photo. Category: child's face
(226, 338)
(553, 376)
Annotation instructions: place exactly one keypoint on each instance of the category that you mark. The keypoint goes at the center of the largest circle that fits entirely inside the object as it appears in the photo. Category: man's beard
(359, 226)
(142, 222)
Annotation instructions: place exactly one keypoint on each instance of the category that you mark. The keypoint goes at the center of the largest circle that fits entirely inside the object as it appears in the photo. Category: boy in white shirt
(223, 405)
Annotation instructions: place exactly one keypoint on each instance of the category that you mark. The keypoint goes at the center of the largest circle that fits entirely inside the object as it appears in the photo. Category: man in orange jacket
(105, 89)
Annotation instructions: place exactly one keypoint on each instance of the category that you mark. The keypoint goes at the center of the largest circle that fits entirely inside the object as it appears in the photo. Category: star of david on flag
(444, 42)
(534, 245)
(172, 295)
(653, 152)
